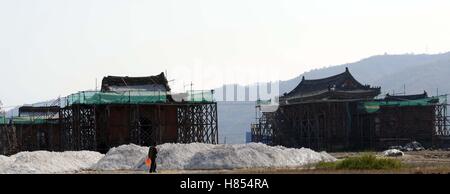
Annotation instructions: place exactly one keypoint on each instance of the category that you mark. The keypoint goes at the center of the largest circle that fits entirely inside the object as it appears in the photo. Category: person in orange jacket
(152, 155)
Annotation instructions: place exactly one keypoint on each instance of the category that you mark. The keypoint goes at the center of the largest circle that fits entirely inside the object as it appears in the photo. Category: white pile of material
(393, 152)
(44, 162)
(170, 156)
(4, 161)
(207, 156)
(122, 157)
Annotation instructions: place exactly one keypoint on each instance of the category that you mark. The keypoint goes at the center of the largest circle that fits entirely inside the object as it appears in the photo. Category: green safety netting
(129, 97)
(374, 106)
(26, 121)
(3, 120)
(200, 96)
(134, 97)
(264, 102)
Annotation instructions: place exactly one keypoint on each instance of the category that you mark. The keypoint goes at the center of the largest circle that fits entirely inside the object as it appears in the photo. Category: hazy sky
(56, 47)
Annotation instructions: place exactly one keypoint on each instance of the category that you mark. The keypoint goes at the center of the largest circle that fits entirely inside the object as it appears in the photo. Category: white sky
(56, 47)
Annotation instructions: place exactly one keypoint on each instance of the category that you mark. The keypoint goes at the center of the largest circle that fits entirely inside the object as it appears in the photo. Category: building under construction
(139, 110)
(339, 113)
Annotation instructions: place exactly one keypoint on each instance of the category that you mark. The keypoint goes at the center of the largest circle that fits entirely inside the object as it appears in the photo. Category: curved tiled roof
(340, 83)
(149, 83)
(406, 97)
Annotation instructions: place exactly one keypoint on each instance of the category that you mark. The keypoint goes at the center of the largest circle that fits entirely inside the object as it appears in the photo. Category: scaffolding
(78, 127)
(356, 125)
(262, 130)
(101, 120)
(442, 119)
(146, 125)
(8, 140)
(197, 122)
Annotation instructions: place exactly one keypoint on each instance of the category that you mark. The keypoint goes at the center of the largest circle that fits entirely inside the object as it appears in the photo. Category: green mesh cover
(374, 106)
(131, 97)
(201, 96)
(3, 120)
(26, 121)
(264, 102)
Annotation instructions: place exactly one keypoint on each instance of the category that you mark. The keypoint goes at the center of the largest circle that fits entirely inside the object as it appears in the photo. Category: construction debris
(393, 153)
(412, 146)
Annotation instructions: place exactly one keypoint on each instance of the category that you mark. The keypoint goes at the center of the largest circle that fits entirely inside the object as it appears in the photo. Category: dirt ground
(416, 162)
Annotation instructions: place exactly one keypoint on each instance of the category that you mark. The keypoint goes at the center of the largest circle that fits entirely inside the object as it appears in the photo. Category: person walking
(152, 155)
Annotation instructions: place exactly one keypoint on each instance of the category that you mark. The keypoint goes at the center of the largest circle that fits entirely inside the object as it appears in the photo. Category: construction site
(138, 110)
(338, 113)
(326, 120)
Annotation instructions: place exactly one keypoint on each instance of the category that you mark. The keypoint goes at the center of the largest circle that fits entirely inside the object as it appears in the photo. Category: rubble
(412, 146)
(393, 153)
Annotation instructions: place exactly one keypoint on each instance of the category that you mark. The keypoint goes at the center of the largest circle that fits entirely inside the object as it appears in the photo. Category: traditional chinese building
(139, 110)
(339, 113)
